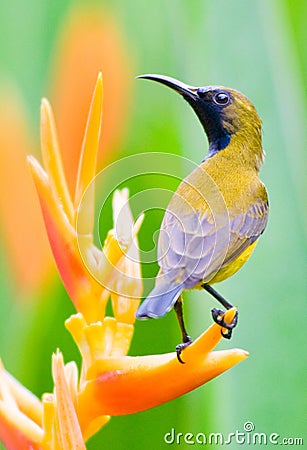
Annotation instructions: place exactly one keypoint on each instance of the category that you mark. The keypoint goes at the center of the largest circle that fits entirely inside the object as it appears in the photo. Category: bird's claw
(182, 346)
(218, 317)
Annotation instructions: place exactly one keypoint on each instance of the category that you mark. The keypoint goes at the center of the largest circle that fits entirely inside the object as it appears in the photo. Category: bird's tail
(159, 301)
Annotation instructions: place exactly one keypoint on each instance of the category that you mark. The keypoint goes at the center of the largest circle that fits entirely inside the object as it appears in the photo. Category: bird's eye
(221, 98)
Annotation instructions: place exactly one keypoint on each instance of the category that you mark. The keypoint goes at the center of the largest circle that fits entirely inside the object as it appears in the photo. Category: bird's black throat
(211, 118)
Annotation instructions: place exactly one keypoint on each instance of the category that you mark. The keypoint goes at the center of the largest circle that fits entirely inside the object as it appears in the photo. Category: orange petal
(130, 286)
(20, 215)
(67, 420)
(99, 340)
(17, 429)
(87, 163)
(95, 426)
(48, 420)
(90, 42)
(151, 382)
(62, 239)
(87, 294)
(27, 402)
(14, 433)
(53, 160)
(128, 385)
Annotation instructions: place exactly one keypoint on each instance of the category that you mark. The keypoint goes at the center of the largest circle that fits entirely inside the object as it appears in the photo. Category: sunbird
(214, 219)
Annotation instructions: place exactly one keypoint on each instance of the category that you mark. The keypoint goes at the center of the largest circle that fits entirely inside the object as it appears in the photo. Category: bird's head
(223, 112)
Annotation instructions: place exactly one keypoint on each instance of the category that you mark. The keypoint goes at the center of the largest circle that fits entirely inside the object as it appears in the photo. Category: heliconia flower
(63, 215)
(110, 382)
(91, 39)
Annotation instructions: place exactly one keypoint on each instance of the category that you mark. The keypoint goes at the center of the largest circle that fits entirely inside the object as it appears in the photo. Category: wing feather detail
(193, 246)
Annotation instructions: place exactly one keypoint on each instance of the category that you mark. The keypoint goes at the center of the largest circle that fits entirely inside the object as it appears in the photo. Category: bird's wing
(190, 244)
(245, 228)
(193, 246)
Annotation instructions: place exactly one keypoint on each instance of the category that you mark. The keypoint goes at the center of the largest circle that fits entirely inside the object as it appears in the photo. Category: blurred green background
(260, 48)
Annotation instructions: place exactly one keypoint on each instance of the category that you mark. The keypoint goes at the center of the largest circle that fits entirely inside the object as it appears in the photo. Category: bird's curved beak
(182, 88)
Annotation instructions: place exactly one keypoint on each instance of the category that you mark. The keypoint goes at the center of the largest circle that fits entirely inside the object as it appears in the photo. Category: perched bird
(218, 212)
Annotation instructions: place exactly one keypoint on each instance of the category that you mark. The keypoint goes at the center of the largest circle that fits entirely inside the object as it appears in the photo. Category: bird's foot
(187, 341)
(218, 317)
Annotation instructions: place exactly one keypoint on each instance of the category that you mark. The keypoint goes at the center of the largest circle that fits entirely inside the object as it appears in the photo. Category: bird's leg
(186, 339)
(218, 314)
